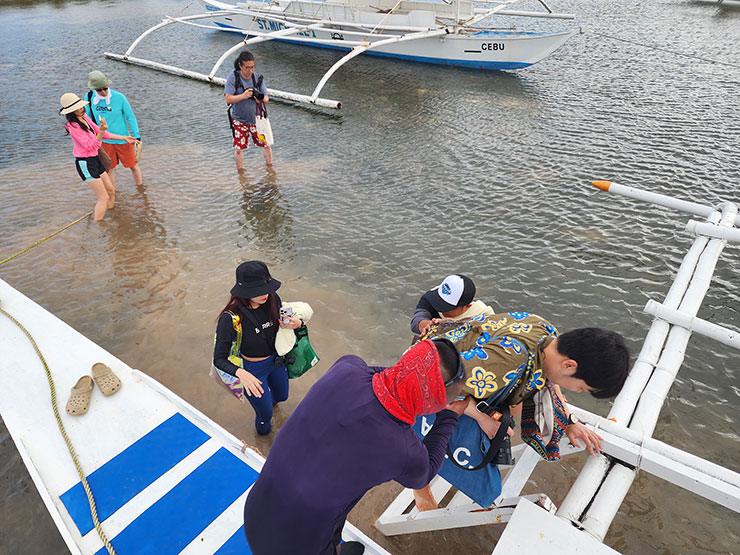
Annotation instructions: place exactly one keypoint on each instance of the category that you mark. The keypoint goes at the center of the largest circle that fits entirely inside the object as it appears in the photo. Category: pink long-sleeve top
(85, 143)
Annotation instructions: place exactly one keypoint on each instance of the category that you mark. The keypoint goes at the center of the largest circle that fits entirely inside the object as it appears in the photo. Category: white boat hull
(490, 50)
(166, 478)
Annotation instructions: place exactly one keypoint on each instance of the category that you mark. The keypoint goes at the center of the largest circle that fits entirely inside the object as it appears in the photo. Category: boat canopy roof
(462, 9)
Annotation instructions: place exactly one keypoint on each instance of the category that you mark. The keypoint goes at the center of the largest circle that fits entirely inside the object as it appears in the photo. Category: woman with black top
(261, 372)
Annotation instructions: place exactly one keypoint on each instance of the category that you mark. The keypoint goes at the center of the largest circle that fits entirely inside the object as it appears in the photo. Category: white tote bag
(264, 129)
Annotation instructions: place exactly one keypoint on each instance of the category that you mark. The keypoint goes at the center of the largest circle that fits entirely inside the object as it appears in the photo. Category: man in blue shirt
(246, 92)
(104, 102)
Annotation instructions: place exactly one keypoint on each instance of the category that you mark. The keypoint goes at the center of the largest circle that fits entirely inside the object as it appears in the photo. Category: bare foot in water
(424, 499)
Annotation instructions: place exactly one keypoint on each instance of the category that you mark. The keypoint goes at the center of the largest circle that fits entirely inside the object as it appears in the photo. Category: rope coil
(60, 424)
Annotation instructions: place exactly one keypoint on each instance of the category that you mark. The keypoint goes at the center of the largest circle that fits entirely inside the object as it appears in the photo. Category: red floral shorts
(242, 132)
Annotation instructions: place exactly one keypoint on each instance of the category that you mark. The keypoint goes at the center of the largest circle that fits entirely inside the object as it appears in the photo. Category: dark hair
(602, 356)
(448, 359)
(72, 118)
(243, 304)
(244, 56)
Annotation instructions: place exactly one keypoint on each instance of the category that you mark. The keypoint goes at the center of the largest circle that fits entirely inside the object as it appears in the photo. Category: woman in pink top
(87, 138)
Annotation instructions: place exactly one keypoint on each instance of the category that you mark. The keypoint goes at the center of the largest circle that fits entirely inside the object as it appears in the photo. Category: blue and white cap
(454, 291)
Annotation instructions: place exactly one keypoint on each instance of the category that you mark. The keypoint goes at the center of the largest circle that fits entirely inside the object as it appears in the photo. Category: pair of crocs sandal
(79, 399)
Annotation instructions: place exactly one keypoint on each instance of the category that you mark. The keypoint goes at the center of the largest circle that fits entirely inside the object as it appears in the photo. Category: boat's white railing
(627, 445)
(602, 485)
(549, 14)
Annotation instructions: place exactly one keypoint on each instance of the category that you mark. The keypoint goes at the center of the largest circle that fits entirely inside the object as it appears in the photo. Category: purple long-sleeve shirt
(339, 443)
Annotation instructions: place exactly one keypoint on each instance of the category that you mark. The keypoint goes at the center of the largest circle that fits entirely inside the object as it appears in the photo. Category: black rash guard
(254, 344)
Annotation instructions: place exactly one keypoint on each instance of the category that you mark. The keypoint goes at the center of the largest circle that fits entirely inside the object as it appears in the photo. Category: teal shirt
(118, 114)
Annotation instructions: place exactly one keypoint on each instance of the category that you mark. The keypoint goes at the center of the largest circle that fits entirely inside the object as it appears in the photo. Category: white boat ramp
(165, 478)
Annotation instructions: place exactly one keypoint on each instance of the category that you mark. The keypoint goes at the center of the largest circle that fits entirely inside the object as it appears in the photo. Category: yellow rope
(83, 479)
(28, 248)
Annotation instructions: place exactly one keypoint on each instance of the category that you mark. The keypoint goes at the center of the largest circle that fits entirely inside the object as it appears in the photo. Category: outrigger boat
(447, 33)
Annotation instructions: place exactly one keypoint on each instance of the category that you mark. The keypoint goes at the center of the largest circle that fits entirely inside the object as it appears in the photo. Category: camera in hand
(504, 453)
(257, 95)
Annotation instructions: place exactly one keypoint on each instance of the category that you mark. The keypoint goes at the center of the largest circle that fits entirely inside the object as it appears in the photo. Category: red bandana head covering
(414, 386)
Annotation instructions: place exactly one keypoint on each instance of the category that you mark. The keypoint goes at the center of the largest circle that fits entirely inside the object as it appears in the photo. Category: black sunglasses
(460, 374)
(103, 89)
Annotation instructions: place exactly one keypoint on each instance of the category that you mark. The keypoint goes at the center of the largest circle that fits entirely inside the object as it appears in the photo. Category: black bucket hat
(253, 279)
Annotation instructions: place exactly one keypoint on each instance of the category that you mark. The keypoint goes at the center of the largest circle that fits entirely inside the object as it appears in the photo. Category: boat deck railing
(628, 445)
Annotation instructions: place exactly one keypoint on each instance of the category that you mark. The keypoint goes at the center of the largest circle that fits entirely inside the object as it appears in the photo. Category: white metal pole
(646, 414)
(495, 10)
(166, 21)
(591, 476)
(716, 232)
(609, 498)
(656, 446)
(538, 15)
(708, 329)
(360, 49)
(293, 97)
(655, 198)
(260, 38)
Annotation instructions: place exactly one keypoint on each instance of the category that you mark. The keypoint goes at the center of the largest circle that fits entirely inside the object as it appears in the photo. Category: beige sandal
(107, 381)
(79, 398)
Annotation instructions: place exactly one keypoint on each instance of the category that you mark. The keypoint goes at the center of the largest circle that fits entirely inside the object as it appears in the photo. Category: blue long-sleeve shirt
(118, 115)
(339, 443)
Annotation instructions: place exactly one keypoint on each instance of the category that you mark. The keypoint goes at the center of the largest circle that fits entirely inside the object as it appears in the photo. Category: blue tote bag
(469, 446)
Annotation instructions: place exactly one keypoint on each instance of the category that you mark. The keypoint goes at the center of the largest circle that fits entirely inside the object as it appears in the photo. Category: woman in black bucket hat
(244, 353)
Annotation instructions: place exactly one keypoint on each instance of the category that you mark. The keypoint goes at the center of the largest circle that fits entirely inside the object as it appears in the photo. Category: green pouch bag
(302, 357)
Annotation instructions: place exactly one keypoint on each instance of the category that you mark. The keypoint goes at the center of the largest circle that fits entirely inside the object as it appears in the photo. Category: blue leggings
(275, 390)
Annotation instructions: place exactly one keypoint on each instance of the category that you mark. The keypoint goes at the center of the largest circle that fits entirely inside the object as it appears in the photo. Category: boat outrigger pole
(357, 50)
(211, 78)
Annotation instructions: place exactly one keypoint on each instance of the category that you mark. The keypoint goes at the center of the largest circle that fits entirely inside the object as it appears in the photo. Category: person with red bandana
(350, 433)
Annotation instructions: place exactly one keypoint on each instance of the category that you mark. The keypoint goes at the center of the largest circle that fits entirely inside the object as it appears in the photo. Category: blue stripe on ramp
(174, 521)
(124, 476)
(235, 545)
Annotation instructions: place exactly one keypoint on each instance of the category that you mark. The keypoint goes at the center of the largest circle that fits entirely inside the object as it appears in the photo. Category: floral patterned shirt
(502, 354)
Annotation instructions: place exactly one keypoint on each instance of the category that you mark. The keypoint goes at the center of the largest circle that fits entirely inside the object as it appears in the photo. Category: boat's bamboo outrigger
(627, 445)
(211, 77)
(353, 26)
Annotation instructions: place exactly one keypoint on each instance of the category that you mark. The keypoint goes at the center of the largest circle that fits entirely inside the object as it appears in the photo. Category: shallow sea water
(424, 172)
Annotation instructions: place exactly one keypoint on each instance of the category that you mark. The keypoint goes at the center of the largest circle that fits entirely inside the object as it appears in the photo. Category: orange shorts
(124, 153)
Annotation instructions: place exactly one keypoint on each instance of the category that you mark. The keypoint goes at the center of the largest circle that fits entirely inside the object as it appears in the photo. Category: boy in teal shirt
(105, 103)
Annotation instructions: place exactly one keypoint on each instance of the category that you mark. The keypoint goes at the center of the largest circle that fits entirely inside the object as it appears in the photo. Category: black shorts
(89, 168)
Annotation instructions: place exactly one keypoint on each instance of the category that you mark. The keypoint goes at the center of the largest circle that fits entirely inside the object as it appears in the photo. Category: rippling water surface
(424, 172)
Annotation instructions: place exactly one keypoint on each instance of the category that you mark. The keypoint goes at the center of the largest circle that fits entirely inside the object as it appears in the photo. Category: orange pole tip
(603, 185)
